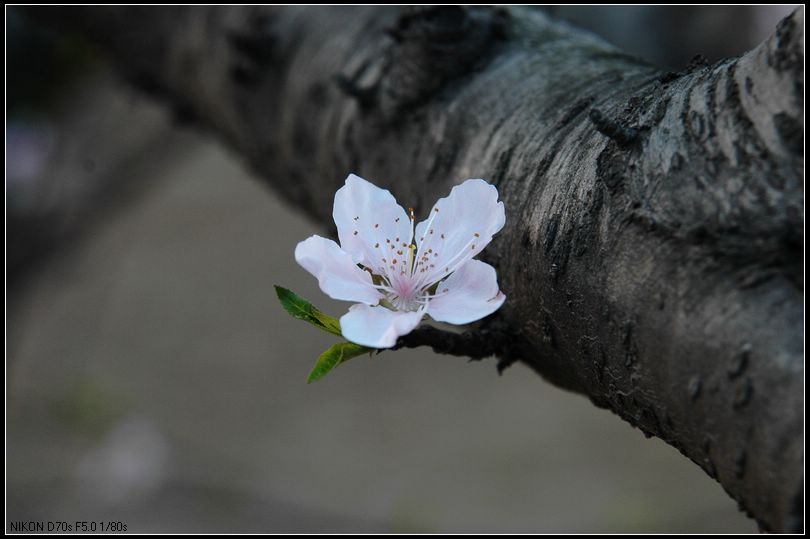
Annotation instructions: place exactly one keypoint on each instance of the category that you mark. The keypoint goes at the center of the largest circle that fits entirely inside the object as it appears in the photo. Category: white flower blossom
(397, 272)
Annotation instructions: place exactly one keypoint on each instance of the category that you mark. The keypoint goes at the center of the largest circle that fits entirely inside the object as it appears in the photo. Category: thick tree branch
(653, 250)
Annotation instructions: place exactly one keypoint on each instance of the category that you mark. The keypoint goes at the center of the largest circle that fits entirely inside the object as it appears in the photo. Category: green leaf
(334, 356)
(301, 309)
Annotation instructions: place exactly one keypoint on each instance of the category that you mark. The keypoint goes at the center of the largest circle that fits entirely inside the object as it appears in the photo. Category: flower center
(405, 296)
(406, 272)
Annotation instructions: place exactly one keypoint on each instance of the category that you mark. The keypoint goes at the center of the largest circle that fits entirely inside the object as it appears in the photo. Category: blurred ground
(153, 379)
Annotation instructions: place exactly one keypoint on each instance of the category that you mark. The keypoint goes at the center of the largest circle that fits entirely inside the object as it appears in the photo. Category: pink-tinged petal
(377, 327)
(337, 274)
(457, 229)
(371, 226)
(469, 294)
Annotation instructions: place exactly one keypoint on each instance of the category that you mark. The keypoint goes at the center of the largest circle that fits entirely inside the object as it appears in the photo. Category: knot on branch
(366, 97)
(253, 49)
(613, 129)
(436, 45)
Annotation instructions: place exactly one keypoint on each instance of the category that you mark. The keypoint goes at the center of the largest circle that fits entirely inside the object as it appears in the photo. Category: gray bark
(653, 250)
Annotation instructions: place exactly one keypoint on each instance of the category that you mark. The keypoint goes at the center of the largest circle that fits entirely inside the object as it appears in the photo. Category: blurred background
(153, 379)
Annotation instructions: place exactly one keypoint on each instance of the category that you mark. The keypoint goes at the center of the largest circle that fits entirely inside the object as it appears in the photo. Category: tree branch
(475, 345)
(653, 250)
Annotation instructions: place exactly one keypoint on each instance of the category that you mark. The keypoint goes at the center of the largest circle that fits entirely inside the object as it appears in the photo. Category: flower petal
(371, 226)
(458, 228)
(337, 274)
(377, 327)
(469, 294)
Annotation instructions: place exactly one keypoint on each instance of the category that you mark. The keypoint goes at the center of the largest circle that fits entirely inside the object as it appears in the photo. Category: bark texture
(652, 256)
